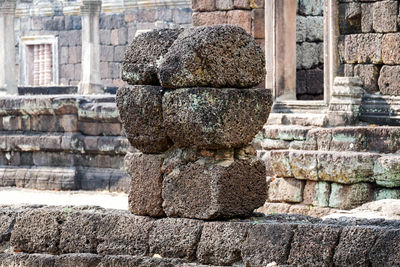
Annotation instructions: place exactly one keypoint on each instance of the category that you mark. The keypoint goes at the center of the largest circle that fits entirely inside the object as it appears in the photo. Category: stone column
(281, 47)
(90, 81)
(8, 77)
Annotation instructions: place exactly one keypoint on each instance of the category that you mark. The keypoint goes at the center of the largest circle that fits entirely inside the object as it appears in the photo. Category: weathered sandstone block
(387, 171)
(385, 16)
(210, 189)
(215, 56)
(140, 109)
(316, 193)
(389, 80)
(215, 118)
(286, 189)
(349, 196)
(140, 62)
(146, 183)
(391, 48)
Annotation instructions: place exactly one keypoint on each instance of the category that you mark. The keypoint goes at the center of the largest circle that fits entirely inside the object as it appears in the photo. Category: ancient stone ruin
(192, 111)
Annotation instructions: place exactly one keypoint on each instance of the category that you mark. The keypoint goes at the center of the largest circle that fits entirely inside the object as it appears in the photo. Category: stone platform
(339, 167)
(91, 236)
(62, 142)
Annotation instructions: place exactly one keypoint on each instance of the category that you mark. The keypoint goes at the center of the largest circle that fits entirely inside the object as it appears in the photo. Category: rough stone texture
(363, 48)
(215, 118)
(303, 165)
(281, 163)
(221, 243)
(314, 245)
(391, 48)
(78, 260)
(354, 246)
(215, 56)
(369, 75)
(386, 249)
(286, 189)
(316, 193)
(346, 167)
(124, 235)
(387, 171)
(145, 131)
(140, 61)
(266, 243)
(146, 184)
(349, 196)
(310, 7)
(79, 232)
(175, 238)
(209, 189)
(37, 231)
(385, 16)
(123, 261)
(350, 17)
(389, 80)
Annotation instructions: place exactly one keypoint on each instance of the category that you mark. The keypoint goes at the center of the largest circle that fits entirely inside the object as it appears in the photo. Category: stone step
(64, 178)
(77, 236)
(379, 139)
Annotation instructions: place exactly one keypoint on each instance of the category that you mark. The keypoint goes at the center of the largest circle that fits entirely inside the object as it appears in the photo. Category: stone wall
(90, 236)
(309, 50)
(340, 167)
(370, 44)
(62, 143)
(116, 30)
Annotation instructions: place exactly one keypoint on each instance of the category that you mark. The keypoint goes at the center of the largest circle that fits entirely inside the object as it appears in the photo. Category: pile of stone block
(192, 111)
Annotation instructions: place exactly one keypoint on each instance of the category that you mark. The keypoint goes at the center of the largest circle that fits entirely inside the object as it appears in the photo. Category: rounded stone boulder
(140, 61)
(140, 110)
(215, 118)
(213, 56)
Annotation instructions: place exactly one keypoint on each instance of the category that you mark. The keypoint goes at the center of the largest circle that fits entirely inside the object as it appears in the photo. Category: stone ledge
(261, 239)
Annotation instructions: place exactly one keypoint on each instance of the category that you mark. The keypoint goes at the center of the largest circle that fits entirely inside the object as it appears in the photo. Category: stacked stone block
(192, 111)
(309, 50)
(330, 167)
(369, 45)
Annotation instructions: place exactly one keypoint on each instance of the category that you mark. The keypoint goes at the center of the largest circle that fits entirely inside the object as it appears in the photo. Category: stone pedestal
(345, 101)
(91, 79)
(8, 81)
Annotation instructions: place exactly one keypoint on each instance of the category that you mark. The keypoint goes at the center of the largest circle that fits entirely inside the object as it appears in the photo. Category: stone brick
(124, 235)
(37, 231)
(354, 246)
(78, 260)
(73, 22)
(119, 52)
(125, 260)
(258, 27)
(385, 193)
(105, 37)
(224, 4)
(314, 245)
(221, 243)
(64, 55)
(114, 37)
(286, 189)
(369, 75)
(104, 70)
(182, 16)
(389, 80)
(316, 193)
(106, 53)
(346, 167)
(310, 7)
(314, 29)
(266, 243)
(349, 196)
(147, 132)
(240, 18)
(191, 121)
(78, 72)
(385, 16)
(304, 165)
(203, 5)
(74, 54)
(386, 249)
(281, 164)
(175, 238)
(146, 184)
(67, 71)
(391, 48)
(387, 171)
(146, 15)
(363, 48)
(307, 55)
(210, 190)
(366, 17)
(242, 4)
(209, 18)
(350, 17)
(115, 70)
